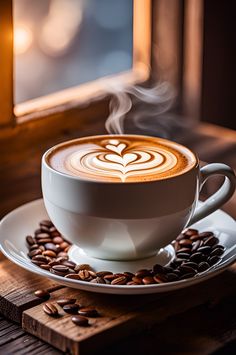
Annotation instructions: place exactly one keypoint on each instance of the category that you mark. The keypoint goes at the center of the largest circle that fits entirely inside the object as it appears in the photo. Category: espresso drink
(121, 158)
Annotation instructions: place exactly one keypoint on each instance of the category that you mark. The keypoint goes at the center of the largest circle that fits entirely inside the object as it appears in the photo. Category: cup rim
(77, 178)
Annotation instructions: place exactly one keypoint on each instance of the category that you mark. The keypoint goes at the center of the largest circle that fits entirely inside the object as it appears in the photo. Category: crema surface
(121, 158)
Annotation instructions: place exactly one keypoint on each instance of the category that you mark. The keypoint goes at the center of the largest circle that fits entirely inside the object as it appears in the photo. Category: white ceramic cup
(127, 221)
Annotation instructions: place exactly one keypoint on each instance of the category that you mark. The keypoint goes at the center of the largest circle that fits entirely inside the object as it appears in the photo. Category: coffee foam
(121, 158)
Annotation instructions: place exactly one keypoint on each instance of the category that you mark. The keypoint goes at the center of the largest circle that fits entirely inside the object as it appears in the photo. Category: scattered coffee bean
(50, 309)
(183, 255)
(157, 269)
(180, 237)
(50, 253)
(187, 243)
(205, 234)
(88, 312)
(213, 259)
(63, 301)
(40, 258)
(184, 269)
(34, 252)
(71, 308)
(204, 250)
(51, 246)
(42, 236)
(172, 276)
(73, 276)
(119, 281)
(45, 267)
(186, 276)
(103, 273)
(190, 231)
(148, 280)
(217, 251)
(82, 267)
(44, 294)
(210, 241)
(203, 266)
(191, 264)
(60, 268)
(138, 280)
(30, 240)
(196, 245)
(80, 321)
(58, 240)
(84, 275)
(196, 257)
(69, 264)
(142, 273)
(184, 250)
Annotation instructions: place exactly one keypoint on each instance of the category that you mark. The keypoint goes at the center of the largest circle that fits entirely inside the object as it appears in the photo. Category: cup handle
(221, 196)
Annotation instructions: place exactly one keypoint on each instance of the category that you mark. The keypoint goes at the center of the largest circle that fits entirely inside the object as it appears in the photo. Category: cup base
(162, 257)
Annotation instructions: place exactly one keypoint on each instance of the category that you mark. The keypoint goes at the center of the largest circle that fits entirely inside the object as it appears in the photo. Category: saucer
(24, 220)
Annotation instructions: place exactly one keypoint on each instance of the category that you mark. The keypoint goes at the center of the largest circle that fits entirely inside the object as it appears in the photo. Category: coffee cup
(123, 197)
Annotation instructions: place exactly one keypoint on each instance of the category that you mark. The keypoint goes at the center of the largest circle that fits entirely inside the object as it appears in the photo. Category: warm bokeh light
(23, 39)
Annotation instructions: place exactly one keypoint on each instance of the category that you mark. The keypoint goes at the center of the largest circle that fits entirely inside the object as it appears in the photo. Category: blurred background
(62, 43)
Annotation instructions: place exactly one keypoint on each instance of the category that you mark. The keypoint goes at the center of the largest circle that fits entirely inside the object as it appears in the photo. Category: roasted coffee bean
(217, 251)
(184, 269)
(157, 269)
(45, 266)
(84, 275)
(191, 264)
(103, 273)
(159, 279)
(132, 283)
(180, 237)
(63, 255)
(195, 237)
(205, 235)
(53, 263)
(37, 231)
(177, 261)
(64, 245)
(88, 312)
(63, 301)
(83, 267)
(45, 229)
(50, 309)
(40, 258)
(211, 241)
(37, 262)
(148, 280)
(196, 257)
(186, 276)
(183, 255)
(187, 243)
(189, 232)
(68, 263)
(167, 268)
(137, 280)
(73, 276)
(61, 259)
(213, 259)
(92, 273)
(58, 240)
(44, 294)
(51, 246)
(119, 281)
(203, 266)
(34, 252)
(98, 280)
(172, 277)
(33, 247)
(218, 246)
(184, 250)
(67, 249)
(109, 278)
(41, 247)
(61, 268)
(196, 245)
(205, 250)
(80, 321)
(46, 223)
(128, 275)
(50, 253)
(42, 236)
(142, 273)
(43, 241)
(30, 240)
(71, 308)
(118, 274)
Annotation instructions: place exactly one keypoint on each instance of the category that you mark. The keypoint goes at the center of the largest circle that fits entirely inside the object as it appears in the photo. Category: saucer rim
(107, 288)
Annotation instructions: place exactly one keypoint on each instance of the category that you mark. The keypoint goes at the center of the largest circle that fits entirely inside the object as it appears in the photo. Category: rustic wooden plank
(120, 315)
(14, 340)
(17, 290)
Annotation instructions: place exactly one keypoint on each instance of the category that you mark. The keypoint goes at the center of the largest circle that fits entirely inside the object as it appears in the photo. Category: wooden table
(200, 320)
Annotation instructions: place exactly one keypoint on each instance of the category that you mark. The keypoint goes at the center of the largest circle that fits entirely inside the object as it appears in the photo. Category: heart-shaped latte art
(118, 160)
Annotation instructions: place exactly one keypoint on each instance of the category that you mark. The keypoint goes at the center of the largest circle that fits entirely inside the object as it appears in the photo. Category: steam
(143, 106)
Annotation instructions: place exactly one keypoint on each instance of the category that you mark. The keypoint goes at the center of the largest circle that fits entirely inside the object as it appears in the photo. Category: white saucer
(24, 220)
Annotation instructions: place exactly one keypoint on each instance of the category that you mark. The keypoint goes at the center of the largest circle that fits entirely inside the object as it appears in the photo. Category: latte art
(120, 159)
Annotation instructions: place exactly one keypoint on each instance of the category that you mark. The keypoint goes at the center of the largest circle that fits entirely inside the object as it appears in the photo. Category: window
(63, 43)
